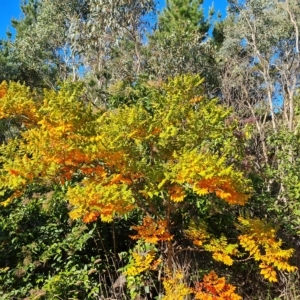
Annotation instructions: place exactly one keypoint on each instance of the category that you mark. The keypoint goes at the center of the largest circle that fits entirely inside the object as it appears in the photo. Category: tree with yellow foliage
(172, 159)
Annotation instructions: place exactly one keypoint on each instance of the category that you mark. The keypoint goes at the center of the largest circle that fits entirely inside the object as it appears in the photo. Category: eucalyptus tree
(263, 35)
(62, 38)
(109, 40)
(261, 66)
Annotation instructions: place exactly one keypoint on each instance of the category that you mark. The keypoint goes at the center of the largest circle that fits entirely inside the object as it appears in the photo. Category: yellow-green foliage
(175, 287)
(127, 155)
(259, 239)
(17, 103)
(219, 247)
(51, 149)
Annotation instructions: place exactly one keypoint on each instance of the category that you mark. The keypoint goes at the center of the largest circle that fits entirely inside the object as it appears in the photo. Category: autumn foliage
(215, 288)
(154, 160)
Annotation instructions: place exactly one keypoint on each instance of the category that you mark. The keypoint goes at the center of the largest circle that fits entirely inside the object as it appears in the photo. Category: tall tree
(108, 41)
(13, 66)
(41, 43)
(180, 43)
(261, 79)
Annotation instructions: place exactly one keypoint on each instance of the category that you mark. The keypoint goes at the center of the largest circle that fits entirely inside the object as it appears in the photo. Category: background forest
(150, 155)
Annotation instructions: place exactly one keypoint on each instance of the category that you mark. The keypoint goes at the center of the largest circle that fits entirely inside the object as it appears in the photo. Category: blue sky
(11, 9)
